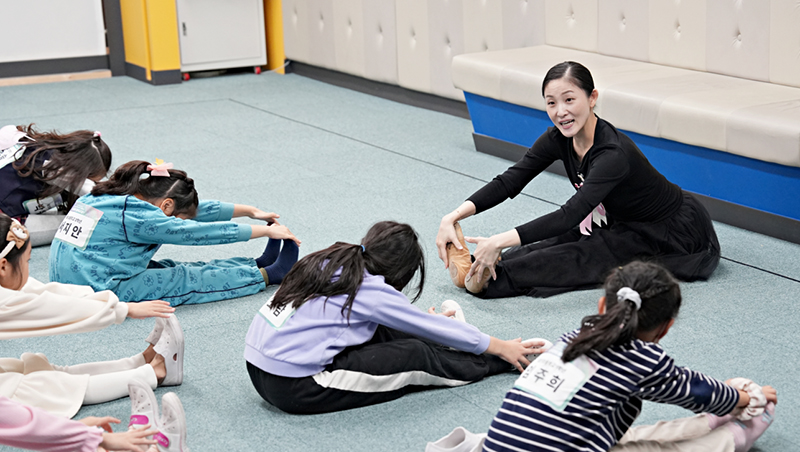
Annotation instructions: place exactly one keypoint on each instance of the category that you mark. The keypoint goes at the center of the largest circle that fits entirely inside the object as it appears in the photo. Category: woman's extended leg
(685, 244)
(389, 366)
(568, 262)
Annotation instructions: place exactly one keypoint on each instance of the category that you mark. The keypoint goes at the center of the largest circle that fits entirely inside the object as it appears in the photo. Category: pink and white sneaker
(172, 425)
(144, 408)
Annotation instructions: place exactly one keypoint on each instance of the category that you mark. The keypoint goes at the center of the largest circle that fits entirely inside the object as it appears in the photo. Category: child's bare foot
(149, 353)
(159, 367)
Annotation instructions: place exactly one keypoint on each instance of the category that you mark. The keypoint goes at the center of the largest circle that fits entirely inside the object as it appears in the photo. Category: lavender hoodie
(309, 340)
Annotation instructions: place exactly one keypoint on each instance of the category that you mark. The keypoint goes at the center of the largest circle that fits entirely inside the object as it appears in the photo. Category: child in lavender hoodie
(340, 334)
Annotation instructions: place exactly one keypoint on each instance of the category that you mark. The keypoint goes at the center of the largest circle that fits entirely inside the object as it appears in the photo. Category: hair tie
(96, 134)
(363, 250)
(17, 235)
(626, 293)
(160, 168)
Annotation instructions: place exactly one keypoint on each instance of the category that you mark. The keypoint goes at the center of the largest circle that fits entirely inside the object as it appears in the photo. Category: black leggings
(387, 367)
(684, 243)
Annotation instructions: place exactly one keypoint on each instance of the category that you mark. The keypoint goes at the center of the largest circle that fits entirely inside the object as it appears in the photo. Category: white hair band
(626, 293)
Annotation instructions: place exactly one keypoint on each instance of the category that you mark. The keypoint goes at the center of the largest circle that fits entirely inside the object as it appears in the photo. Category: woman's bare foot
(149, 354)
(458, 260)
(475, 284)
(159, 367)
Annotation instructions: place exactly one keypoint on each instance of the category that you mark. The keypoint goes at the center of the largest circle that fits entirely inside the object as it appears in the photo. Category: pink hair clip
(160, 168)
(97, 134)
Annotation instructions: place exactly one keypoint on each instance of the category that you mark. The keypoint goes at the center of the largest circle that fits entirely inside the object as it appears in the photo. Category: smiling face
(568, 105)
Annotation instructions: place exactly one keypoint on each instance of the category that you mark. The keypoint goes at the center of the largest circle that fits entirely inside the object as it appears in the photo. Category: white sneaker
(451, 305)
(144, 408)
(172, 425)
(544, 348)
(170, 346)
(155, 334)
(459, 440)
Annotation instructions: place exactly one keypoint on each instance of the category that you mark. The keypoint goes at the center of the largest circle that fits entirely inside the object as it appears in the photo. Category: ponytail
(389, 249)
(133, 178)
(639, 297)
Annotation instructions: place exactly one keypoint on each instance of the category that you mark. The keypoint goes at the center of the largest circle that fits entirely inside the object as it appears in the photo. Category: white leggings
(681, 435)
(691, 434)
(108, 380)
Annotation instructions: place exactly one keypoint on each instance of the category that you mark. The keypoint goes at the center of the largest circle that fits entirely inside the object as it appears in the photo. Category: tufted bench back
(412, 42)
(720, 74)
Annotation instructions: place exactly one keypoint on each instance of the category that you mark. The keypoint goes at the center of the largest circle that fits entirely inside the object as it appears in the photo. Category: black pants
(387, 367)
(684, 243)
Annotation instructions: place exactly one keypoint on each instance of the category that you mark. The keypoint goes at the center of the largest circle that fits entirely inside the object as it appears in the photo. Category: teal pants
(193, 282)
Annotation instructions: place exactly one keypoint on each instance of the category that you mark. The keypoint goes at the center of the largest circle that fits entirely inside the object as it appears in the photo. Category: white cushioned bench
(726, 138)
(744, 117)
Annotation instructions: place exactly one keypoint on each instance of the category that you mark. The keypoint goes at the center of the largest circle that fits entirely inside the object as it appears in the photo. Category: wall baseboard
(54, 66)
(50, 78)
(383, 90)
(157, 77)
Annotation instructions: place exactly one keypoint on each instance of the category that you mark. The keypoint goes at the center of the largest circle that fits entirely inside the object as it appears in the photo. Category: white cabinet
(219, 34)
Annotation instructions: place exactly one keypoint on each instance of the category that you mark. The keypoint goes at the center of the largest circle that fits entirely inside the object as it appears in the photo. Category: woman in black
(623, 209)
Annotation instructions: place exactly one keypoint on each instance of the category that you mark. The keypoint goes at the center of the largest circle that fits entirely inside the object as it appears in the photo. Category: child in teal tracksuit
(109, 237)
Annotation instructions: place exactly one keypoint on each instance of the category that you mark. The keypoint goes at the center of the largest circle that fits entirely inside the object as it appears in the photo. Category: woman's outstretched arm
(447, 232)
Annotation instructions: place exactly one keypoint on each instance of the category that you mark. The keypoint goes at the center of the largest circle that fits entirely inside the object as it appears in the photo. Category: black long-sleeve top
(613, 172)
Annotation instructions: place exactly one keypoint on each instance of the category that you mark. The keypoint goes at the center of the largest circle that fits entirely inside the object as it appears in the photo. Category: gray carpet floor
(332, 162)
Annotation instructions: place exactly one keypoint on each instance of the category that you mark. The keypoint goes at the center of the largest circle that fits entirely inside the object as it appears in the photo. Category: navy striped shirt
(603, 409)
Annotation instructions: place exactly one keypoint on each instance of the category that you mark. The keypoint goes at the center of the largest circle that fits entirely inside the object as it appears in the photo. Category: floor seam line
(385, 149)
(761, 269)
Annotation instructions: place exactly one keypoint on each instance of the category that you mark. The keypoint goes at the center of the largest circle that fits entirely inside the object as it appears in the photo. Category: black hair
(573, 72)
(661, 301)
(15, 254)
(133, 178)
(391, 250)
(71, 159)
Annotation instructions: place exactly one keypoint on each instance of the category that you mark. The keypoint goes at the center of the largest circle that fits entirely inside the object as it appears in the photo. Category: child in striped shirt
(587, 390)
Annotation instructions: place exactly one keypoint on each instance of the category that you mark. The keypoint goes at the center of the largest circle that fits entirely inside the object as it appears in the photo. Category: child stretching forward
(108, 239)
(31, 428)
(586, 391)
(29, 308)
(340, 334)
(44, 171)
